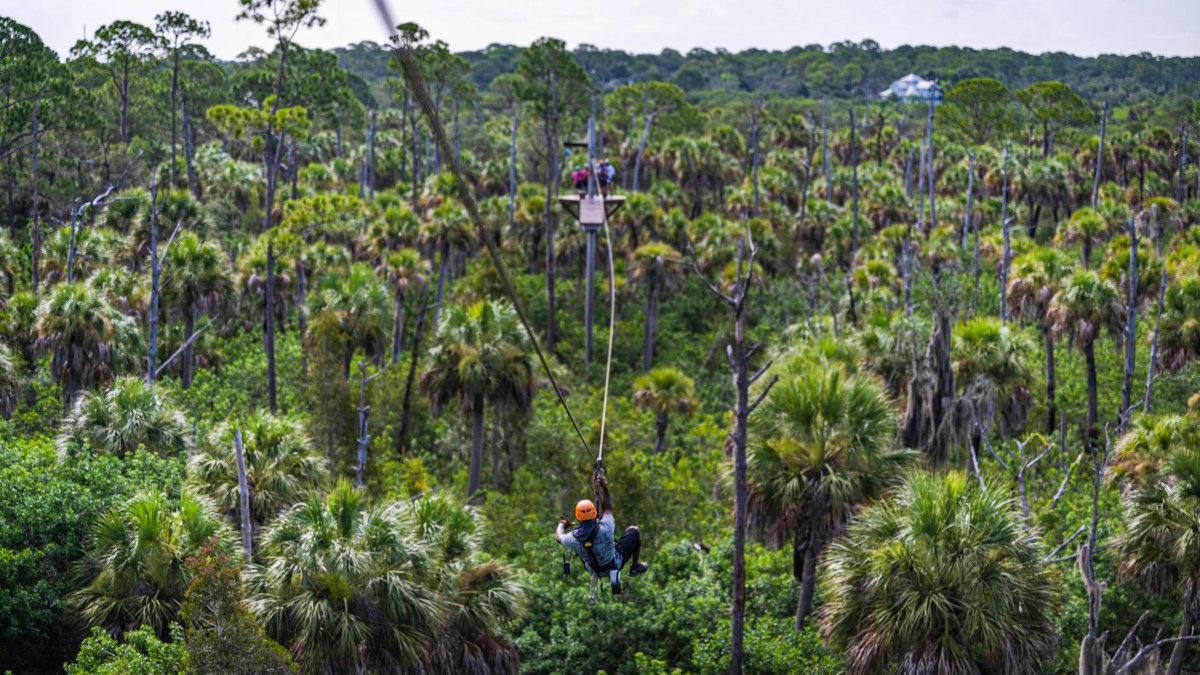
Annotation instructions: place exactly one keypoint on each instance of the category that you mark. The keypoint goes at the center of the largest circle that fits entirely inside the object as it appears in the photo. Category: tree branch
(763, 394)
(179, 351)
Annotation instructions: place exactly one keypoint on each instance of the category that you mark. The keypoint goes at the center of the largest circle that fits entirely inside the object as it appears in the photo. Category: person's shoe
(638, 569)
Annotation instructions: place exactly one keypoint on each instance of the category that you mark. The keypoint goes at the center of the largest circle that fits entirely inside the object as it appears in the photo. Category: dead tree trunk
(932, 174)
(1006, 253)
(739, 355)
(1162, 294)
(1099, 156)
(1130, 331)
(155, 275)
(243, 497)
(35, 198)
(825, 149)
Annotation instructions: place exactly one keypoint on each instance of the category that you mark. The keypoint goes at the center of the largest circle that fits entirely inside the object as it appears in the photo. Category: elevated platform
(591, 210)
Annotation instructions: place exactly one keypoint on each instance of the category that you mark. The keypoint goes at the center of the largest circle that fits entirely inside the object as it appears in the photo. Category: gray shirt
(604, 545)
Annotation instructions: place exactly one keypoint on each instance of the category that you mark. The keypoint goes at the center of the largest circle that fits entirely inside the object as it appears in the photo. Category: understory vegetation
(894, 387)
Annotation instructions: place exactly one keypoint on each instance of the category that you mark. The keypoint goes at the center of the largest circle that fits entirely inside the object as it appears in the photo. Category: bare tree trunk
(1162, 294)
(921, 176)
(932, 174)
(189, 152)
(443, 269)
(908, 174)
(398, 328)
(302, 318)
(512, 176)
(269, 326)
(243, 497)
(35, 199)
(1051, 402)
(495, 443)
(1100, 156)
(853, 188)
(174, 113)
(1130, 331)
(1089, 355)
(1006, 253)
(825, 149)
(124, 91)
(1175, 666)
(970, 192)
(808, 579)
(651, 331)
(754, 131)
(551, 172)
(660, 432)
(155, 275)
(189, 327)
(364, 437)
(406, 408)
(476, 469)
(637, 162)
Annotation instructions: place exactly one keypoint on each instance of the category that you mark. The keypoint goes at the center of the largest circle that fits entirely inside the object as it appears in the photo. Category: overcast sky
(1085, 27)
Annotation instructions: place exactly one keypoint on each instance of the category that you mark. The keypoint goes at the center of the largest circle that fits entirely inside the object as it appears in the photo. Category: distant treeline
(842, 69)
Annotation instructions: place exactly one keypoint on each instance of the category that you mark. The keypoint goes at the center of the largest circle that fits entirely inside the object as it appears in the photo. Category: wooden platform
(591, 210)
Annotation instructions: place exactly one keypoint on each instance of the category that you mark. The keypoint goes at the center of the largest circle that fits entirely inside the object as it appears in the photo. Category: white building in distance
(913, 88)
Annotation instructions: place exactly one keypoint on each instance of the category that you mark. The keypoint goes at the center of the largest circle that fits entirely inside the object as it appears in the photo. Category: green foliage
(46, 510)
(220, 634)
(140, 652)
(891, 594)
(135, 561)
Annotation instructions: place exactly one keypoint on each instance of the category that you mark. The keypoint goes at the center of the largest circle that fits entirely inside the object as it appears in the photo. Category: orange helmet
(585, 510)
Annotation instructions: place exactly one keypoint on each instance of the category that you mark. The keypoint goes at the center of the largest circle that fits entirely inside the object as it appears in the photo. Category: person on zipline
(593, 541)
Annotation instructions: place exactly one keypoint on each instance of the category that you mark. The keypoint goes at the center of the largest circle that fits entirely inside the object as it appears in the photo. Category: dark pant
(629, 544)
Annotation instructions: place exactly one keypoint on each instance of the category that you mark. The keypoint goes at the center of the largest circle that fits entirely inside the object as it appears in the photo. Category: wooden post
(243, 496)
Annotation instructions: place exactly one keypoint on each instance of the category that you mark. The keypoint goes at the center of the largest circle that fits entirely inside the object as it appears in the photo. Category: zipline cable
(612, 317)
(412, 73)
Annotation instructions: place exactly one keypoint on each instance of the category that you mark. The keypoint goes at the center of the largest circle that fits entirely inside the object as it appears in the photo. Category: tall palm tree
(447, 231)
(10, 384)
(407, 271)
(1084, 307)
(128, 414)
(1179, 336)
(480, 356)
(359, 301)
(88, 341)
(1159, 547)
(398, 227)
(1087, 228)
(664, 391)
(195, 282)
(898, 603)
(1036, 278)
(1150, 440)
(282, 466)
(825, 443)
(993, 360)
(652, 268)
(136, 557)
(478, 594)
(340, 585)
